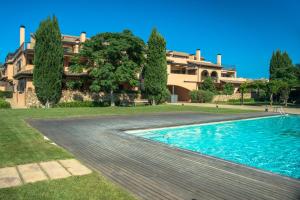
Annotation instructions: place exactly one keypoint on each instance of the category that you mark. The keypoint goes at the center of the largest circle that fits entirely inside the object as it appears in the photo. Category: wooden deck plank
(155, 171)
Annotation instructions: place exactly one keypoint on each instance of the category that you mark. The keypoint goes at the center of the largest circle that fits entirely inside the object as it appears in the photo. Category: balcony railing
(229, 67)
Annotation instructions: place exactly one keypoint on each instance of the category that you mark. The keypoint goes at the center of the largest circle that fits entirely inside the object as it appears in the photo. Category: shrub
(4, 104)
(208, 85)
(201, 96)
(228, 89)
(74, 85)
(6, 94)
(234, 101)
(74, 104)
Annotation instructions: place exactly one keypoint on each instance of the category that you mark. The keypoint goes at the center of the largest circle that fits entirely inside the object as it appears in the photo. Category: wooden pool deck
(156, 171)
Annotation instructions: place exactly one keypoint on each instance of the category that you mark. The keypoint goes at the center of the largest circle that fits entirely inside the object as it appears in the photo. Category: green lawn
(92, 187)
(20, 143)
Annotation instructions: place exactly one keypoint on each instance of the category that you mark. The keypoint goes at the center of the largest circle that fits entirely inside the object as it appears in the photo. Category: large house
(18, 67)
(185, 71)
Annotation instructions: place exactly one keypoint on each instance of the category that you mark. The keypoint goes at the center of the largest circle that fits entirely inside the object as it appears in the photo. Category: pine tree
(281, 67)
(155, 80)
(48, 61)
(276, 64)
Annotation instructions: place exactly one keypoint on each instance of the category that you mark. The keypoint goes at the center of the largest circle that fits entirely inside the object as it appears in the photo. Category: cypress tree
(48, 61)
(155, 80)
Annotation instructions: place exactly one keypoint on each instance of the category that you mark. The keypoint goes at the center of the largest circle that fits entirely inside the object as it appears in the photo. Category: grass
(92, 187)
(20, 144)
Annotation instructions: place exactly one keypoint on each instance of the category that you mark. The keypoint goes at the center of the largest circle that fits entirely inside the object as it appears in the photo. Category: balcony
(229, 67)
(233, 80)
(175, 79)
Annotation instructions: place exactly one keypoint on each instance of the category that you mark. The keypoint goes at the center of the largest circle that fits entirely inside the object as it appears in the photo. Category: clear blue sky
(245, 32)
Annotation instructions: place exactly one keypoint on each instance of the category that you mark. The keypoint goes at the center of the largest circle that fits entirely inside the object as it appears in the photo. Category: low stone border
(33, 172)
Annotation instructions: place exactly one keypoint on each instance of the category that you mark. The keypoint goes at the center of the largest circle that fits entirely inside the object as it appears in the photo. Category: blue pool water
(270, 143)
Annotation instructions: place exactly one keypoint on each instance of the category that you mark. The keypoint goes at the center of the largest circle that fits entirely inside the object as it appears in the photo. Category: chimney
(219, 59)
(22, 34)
(198, 55)
(82, 37)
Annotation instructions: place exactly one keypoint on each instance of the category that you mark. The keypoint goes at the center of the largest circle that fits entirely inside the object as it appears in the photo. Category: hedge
(250, 100)
(82, 104)
(201, 96)
(6, 94)
(4, 104)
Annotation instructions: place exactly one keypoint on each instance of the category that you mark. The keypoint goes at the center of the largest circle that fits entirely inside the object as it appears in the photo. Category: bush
(6, 94)
(74, 85)
(162, 97)
(74, 104)
(238, 101)
(201, 96)
(228, 89)
(208, 85)
(4, 104)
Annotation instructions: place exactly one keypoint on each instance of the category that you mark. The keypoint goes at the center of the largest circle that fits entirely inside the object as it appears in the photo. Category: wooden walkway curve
(152, 170)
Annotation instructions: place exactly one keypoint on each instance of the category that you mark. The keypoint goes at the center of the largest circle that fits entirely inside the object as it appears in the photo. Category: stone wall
(235, 96)
(31, 99)
(70, 95)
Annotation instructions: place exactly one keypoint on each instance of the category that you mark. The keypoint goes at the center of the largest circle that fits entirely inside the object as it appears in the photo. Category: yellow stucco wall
(10, 71)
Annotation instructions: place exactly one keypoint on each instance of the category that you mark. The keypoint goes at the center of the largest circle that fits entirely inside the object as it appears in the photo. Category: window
(176, 70)
(19, 65)
(21, 85)
(29, 59)
(191, 72)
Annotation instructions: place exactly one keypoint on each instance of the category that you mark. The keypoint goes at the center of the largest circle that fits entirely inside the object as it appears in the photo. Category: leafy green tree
(208, 85)
(273, 87)
(48, 61)
(282, 68)
(284, 89)
(258, 86)
(112, 59)
(155, 80)
(244, 87)
(297, 73)
(228, 89)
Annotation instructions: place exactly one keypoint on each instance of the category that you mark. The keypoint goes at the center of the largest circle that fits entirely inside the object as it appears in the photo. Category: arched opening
(181, 92)
(204, 74)
(214, 75)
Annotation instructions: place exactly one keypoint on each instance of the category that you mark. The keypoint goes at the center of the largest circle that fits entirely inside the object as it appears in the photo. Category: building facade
(186, 71)
(18, 67)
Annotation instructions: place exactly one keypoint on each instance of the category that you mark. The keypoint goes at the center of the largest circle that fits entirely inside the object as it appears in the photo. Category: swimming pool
(268, 143)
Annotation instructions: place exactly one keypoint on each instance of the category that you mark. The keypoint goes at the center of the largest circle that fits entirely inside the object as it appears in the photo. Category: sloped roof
(70, 38)
(178, 53)
(209, 64)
